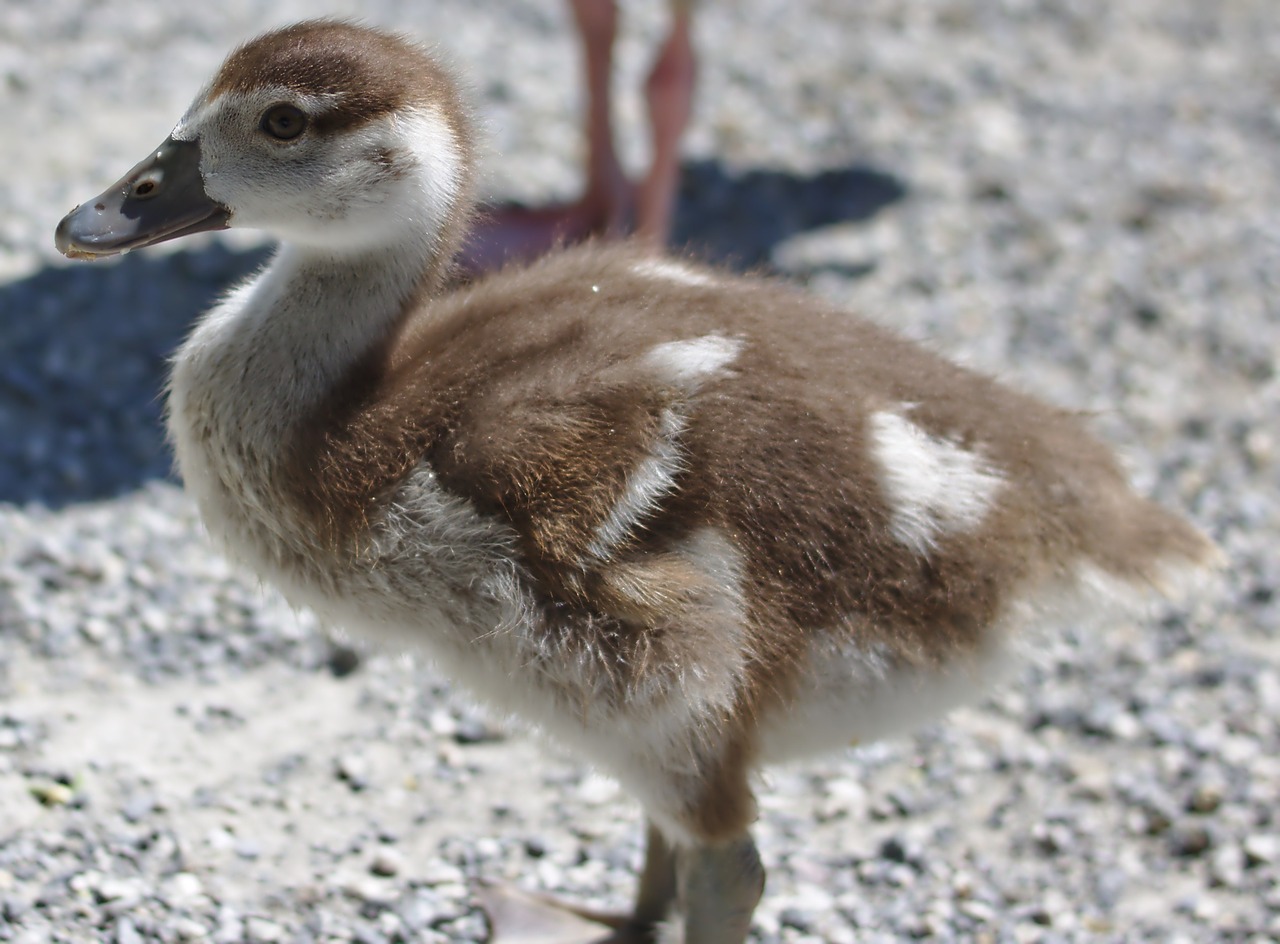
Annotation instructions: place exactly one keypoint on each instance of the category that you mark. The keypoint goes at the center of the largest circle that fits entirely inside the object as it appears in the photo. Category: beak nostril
(157, 200)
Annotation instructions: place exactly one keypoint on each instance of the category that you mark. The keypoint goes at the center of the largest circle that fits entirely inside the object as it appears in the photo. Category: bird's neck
(324, 312)
(332, 297)
(260, 363)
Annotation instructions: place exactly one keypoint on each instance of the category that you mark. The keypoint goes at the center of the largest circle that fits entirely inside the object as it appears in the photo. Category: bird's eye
(284, 122)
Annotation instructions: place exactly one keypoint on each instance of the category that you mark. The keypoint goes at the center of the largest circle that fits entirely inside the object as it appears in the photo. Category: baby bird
(688, 523)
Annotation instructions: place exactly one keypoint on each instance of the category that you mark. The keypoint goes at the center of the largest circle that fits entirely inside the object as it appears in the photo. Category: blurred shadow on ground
(739, 219)
(84, 351)
(85, 347)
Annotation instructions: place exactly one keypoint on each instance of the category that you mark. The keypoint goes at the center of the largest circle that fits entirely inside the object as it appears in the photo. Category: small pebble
(387, 862)
(51, 793)
(263, 931)
(1190, 839)
(112, 889)
(1262, 849)
(181, 889)
(370, 890)
(126, 933)
(1206, 798)
(1226, 866)
(472, 730)
(354, 769)
(188, 929)
(138, 806)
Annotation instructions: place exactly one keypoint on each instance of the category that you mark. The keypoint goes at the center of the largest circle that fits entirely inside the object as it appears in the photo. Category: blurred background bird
(611, 204)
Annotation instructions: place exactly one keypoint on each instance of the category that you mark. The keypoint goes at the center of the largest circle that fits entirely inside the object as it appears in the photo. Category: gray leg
(719, 887)
(657, 881)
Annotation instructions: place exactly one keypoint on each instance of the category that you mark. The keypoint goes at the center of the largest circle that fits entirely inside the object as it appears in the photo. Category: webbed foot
(519, 917)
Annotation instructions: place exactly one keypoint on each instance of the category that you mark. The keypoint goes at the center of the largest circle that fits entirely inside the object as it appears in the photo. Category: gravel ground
(1075, 195)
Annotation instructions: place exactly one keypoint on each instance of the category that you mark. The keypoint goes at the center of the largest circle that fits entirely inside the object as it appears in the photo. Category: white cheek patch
(690, 363)
(424, 133)
(935, 486)
(668, 271)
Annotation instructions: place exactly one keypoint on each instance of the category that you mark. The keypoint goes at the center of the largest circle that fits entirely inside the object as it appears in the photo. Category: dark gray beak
(161, 198)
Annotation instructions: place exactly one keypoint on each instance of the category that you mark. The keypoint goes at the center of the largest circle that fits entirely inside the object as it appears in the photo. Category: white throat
(291, 332)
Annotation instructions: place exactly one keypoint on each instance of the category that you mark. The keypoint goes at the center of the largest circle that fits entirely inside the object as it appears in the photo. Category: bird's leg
(669, 92)
(609, 204)
(605, 203)
(719, 888)
(657, 891)
(515, 233)
(517, 917)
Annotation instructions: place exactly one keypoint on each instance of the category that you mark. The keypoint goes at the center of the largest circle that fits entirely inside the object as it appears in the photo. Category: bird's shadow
(81, 381)
(738, 219)
(84, 367)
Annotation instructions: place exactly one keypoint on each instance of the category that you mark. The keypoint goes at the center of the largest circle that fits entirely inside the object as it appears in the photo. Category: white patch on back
(653, 478)
(691, 362)
(668, 271)
(935, 486)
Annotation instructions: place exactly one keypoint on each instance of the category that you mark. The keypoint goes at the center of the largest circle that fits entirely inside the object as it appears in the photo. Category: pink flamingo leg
(605, 204)
(610, 205)
(669, 91)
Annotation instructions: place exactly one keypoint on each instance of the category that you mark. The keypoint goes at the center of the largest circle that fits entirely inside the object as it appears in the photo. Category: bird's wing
(575, 473)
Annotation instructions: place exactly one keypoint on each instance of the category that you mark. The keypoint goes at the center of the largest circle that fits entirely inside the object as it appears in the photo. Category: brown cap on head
(366, 73)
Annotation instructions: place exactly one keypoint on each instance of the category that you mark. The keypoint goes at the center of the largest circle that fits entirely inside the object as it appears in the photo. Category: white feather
(935, 487)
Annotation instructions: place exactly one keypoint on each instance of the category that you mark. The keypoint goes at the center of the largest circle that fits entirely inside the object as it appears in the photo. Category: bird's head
(325, 134)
